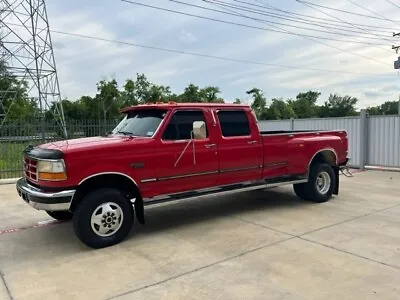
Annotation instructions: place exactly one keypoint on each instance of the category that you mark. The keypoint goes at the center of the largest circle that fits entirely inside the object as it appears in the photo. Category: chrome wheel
(323, 182)
(107, 219)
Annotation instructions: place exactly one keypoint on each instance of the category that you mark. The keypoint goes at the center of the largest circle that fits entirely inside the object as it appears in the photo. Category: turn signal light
(52, 176)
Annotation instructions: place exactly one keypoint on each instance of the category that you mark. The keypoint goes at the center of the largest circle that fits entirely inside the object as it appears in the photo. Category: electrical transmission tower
(26, 48)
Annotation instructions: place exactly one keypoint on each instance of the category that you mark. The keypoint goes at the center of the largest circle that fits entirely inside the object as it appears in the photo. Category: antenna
(27, 50)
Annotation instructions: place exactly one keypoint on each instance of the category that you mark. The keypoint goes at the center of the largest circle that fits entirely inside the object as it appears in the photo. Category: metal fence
(15, 135)
(374, 141)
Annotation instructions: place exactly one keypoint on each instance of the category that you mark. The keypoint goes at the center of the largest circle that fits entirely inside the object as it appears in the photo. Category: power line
(359, 5)
(326, 21)
(393, 3)
(279, 31)
(209, 56)
(240, 24)
(347, 12)
(260, 12)
(305, 3)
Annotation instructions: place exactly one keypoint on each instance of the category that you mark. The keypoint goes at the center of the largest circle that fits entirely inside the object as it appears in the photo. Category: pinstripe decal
(147, 180)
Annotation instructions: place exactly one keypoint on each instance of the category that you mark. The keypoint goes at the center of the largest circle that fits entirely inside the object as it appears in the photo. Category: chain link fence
(15, 135)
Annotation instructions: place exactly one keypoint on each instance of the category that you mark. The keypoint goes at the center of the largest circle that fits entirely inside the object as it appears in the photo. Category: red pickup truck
(163, 152)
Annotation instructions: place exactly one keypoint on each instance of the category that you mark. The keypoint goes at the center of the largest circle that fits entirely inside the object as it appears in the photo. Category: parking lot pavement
(259, 245)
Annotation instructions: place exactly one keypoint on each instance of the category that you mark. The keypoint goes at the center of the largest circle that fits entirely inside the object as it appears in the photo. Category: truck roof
(169, 105)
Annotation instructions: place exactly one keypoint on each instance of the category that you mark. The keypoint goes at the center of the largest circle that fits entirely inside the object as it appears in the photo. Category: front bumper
(42, 200)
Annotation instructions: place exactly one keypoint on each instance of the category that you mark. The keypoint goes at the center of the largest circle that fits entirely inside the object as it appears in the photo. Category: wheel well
(329, 157)
(116, 181)
(324, 156)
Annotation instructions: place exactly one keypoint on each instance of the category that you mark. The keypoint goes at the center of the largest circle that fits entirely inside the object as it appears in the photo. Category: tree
(110, 98)
(387, 108)
(107, 98)
(305, 104)
(259, 103)
(14, 100)
(338, 106)
(191, 93)
(279, 110)
(210, 94)
(128, 95)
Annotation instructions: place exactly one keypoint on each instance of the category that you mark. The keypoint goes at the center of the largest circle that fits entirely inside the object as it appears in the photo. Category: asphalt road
(258, 245)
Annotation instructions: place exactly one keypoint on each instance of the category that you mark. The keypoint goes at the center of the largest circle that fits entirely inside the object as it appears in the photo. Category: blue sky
(82, 63)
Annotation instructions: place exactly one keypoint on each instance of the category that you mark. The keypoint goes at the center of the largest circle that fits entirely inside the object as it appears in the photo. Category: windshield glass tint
(140, 122)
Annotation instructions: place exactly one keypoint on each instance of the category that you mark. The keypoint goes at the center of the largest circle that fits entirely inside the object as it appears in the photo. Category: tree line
(110, 97)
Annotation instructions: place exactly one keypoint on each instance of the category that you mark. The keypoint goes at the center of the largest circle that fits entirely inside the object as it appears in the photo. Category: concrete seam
(350, 253)
(316, 230)
(3, 279)
(263, 226)
(200, 268)
(328, 246)
(349, 220)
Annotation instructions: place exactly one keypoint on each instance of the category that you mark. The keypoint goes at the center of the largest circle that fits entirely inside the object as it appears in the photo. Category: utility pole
(397, 66)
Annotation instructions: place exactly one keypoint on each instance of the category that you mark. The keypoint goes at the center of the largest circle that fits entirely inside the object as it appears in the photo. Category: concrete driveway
(260, 245)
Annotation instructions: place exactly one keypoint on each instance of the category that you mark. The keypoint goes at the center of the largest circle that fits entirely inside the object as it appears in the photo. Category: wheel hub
(323, 182)
(107, 219)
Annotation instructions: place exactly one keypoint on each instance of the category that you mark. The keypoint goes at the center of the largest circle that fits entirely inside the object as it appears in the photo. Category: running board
(224, 190)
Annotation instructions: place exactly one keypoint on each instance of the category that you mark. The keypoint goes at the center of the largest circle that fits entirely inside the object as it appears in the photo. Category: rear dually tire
(320, 185)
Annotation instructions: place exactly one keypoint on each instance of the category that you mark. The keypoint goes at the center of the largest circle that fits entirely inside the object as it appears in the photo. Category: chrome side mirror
(199, 130)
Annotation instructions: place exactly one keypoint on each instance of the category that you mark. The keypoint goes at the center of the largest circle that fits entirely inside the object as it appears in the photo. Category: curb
(8, 181)
(379, 168)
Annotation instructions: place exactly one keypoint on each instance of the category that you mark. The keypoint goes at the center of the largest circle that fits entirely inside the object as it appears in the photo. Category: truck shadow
(189, 212)
(39, 243)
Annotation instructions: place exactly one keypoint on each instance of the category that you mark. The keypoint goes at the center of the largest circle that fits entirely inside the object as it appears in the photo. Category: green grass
(11, 159)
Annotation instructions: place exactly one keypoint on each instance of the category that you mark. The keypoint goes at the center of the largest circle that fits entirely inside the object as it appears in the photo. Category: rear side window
(181, 125)
(234, 123)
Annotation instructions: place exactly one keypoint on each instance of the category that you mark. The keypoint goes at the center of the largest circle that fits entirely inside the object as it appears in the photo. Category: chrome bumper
(42, 200)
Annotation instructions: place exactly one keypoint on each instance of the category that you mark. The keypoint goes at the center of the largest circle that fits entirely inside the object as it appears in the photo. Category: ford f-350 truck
(169, 151)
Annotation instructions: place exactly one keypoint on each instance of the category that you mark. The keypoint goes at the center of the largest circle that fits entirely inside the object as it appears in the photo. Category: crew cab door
(185, 164)
(240, 149)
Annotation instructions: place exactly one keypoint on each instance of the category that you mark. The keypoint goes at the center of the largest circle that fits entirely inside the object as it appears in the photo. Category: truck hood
(85, 144)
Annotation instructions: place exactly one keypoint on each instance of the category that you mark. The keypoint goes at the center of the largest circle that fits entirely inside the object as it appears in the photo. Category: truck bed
(270, 132)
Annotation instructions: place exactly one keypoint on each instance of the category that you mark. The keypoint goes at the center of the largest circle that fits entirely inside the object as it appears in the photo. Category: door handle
(252, 142)
(210, 146)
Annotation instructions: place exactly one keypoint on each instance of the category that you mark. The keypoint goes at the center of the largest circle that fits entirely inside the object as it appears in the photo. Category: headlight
(51, 170)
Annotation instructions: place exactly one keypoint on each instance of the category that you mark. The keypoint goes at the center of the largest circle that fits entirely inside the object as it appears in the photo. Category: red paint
(277, 154)
(19, 229)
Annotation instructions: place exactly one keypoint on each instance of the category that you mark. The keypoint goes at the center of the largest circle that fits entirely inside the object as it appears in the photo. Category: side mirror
(199, 130)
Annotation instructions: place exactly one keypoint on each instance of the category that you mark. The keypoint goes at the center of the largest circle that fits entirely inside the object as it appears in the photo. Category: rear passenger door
(239, 147)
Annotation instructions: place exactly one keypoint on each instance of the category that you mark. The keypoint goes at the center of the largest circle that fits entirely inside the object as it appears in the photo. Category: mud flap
(336, 187)
(139, 211)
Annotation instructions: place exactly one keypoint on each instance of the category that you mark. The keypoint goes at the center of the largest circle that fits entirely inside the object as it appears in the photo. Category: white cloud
(187, 37)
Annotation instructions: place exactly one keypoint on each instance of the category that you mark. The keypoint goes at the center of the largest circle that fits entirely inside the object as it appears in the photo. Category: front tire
(104, 218)
(321, 183)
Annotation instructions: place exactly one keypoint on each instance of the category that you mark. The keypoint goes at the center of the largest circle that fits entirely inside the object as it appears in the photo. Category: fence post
(291, 124)
(363, 138)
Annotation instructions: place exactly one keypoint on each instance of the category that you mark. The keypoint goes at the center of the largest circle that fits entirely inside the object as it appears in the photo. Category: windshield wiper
(125, 133)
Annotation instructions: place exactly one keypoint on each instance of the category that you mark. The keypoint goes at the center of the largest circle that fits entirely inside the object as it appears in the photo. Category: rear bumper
(43, 200)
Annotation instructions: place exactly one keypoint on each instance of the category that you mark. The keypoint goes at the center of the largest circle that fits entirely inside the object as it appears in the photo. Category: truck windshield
(140, 122)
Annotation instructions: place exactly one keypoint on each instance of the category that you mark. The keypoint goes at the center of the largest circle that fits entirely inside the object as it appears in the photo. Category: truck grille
(30, 169)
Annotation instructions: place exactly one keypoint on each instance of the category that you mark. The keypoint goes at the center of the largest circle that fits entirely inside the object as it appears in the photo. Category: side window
(234, 123)
(181, 125)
